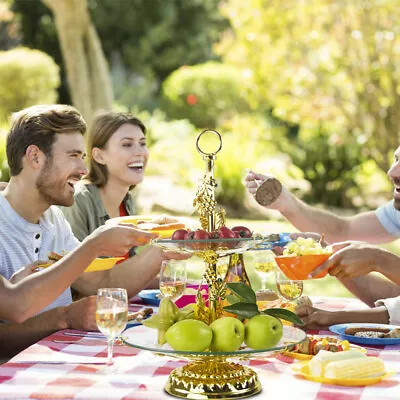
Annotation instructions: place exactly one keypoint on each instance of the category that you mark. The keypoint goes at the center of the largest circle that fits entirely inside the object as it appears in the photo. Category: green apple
(189, 335)
(228, 334)
(263, 332)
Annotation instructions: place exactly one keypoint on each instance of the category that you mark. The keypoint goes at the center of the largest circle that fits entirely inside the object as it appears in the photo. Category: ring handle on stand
(203, 152)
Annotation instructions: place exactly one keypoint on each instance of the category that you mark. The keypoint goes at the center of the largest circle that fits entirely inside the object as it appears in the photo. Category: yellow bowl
(101, 264)
(299, 267)
(303, 370)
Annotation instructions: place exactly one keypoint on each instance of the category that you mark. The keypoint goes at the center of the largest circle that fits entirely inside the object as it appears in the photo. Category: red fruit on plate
(226, 233)
(201, 234)
(189, 235)
(243, 231)
(179, 234)
(214, 235)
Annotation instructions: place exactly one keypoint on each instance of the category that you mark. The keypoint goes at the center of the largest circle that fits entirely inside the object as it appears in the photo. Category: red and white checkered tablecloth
(75, 370)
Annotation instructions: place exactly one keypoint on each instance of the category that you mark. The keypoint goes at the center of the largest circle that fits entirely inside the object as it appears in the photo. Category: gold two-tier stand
(211, 376)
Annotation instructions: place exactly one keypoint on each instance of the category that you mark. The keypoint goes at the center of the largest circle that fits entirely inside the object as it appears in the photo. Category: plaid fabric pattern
(75, 369)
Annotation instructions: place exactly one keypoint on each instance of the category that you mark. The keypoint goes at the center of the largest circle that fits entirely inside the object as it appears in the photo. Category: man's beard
(50, 188)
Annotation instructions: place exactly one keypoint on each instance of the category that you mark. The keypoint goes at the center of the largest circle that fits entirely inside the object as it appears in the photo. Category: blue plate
(340, 328)
(150, 297)
(131, 324)
(284, 239)
(134, 322)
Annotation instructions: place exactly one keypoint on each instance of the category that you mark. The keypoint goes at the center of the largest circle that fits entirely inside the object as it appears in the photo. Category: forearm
(21, 301)
(16, 337)
(134, 274)
(377, 315)
(370, 288)
(137, 272)
(310, 219)
(389, 265)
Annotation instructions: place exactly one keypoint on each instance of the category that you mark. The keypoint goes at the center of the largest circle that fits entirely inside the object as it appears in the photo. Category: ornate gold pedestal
(213, 378)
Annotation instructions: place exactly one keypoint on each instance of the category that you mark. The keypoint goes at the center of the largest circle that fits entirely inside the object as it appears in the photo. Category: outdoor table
(75, 369)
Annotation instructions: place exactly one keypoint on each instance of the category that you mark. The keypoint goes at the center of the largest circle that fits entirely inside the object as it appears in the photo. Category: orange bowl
(299, 267)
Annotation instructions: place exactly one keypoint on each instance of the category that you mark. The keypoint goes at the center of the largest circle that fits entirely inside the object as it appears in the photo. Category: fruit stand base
(212, 378)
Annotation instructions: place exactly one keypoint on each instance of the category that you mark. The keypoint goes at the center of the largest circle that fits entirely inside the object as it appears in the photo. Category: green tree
(205, 93)
(148, 38)
(86, 66)
(323, 63)
(8, 26)
(27, 77)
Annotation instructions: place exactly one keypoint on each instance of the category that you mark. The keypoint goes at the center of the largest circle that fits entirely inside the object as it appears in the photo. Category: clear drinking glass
(111, 315)
(173, 278)
(264, 264)
(288, 288)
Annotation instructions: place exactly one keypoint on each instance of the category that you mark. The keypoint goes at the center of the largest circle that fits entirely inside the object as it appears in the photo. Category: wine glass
(264, 264)
(288, 288)
(111, 315)
(173, 278)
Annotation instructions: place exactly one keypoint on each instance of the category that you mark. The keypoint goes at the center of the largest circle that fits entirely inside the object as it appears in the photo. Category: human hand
(315, 318)
(3, 185)
(350, 259)
(81, 314)
(164, 255)
(26, 271)
(267, 190)
(116, 240)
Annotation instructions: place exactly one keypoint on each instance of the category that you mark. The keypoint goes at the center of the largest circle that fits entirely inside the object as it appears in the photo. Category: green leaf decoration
(231, 299)
(243, 291)
(245, 310)
(284, 314)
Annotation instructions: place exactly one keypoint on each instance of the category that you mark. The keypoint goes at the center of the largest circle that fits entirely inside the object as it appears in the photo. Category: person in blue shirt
(356, 256)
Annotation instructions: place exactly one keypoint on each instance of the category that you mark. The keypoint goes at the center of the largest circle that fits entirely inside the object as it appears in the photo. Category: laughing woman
(117, 152)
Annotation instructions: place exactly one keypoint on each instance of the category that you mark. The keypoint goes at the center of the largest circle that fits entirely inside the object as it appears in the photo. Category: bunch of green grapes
(302, 246)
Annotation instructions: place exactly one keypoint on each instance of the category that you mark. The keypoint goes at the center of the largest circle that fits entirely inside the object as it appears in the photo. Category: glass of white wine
(265, 265)
(111, 315)
(173, 278)
(288, 288)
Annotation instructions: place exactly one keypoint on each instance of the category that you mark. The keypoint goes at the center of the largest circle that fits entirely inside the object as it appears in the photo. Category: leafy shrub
(27, 77)
(204, 93)
(331, 165)
(172, 147)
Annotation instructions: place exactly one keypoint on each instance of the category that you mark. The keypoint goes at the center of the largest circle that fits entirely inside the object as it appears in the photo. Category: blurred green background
(308, 91)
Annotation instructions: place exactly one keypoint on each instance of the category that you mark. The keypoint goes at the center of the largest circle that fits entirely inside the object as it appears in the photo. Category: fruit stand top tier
(208, 247)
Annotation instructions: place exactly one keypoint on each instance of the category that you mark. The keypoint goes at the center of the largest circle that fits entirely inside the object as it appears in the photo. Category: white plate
(145, 338)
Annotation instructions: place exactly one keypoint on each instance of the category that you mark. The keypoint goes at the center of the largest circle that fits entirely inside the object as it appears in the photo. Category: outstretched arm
(354, 259)
(79, 315)
(22, 300)
(370, 288)
(314, 318)
(365, 226)
(134, 274)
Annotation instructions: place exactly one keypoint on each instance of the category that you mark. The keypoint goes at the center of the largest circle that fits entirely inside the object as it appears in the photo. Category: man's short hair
(38, 125)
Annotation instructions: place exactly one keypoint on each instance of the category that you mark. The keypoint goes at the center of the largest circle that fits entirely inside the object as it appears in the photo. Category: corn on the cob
(359, 368)
(318, 363)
